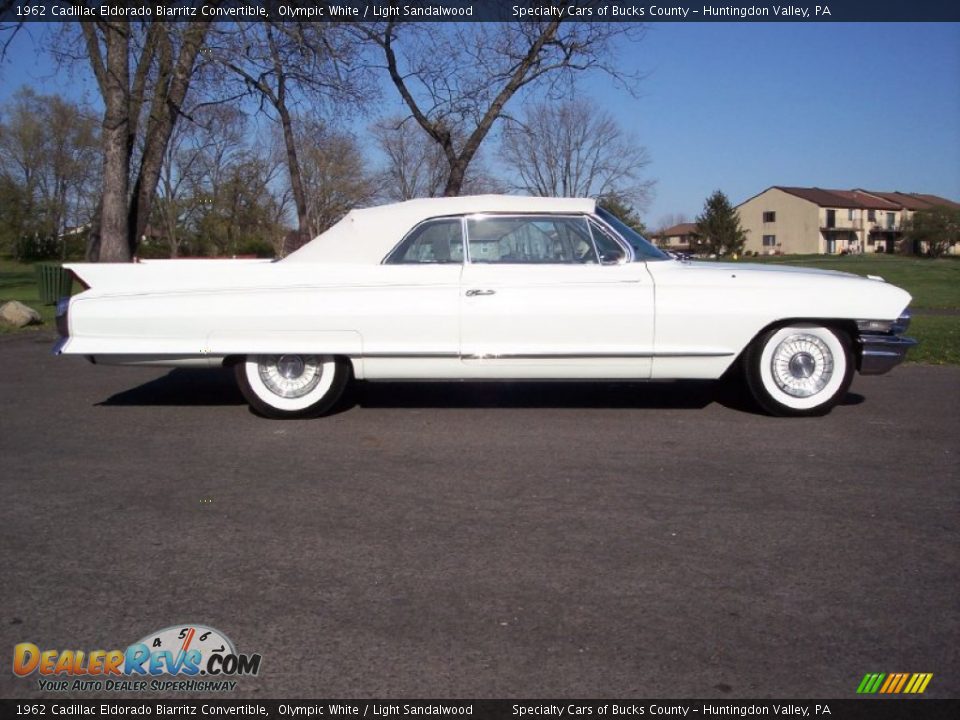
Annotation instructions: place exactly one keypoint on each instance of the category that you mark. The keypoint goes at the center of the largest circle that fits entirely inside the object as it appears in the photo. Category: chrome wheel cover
(802, 365)
(290, 376)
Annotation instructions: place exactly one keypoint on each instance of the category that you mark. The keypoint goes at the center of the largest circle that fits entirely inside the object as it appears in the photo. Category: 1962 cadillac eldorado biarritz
(488, 287)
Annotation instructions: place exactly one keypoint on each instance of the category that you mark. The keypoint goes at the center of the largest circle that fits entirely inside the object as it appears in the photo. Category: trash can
(53, 282)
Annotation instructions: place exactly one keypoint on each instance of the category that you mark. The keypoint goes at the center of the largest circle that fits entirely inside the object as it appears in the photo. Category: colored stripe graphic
(903, 679)
(870, 683)
(894, 683)
(918, 683)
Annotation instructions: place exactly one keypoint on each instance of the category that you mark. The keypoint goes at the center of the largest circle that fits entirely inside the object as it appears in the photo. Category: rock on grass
(16, 314)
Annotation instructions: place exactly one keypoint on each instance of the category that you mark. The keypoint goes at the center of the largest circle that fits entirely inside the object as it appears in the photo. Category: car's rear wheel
(799, 369)
(292, 385)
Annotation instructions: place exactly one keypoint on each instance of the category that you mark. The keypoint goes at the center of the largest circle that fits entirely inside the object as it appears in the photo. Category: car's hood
(764, 268)
(763, 288)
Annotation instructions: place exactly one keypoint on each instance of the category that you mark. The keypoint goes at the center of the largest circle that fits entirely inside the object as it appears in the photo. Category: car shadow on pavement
(182, 387)
(655, 395)
(544, 394)
(211, 387)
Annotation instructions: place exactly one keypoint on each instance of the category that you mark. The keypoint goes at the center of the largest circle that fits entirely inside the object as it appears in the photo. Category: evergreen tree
(719, 226)
(624, 211)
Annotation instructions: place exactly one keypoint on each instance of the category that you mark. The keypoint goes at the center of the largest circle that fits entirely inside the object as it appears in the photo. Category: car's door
(552, 296)
(411, 326)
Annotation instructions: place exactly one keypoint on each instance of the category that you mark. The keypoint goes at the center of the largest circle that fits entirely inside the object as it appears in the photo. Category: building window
(872, 215)
(769, 240)
(851, 214)
(769, 216)
(890, 221)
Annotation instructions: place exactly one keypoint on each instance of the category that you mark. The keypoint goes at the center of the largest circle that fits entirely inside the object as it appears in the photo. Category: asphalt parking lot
(483, 541)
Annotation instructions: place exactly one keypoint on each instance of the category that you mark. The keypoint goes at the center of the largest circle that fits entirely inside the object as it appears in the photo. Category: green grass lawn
(18, 282)
(939, 337)
(933, 284)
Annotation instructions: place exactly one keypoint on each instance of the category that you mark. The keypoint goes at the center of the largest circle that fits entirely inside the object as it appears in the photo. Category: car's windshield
(643, 249)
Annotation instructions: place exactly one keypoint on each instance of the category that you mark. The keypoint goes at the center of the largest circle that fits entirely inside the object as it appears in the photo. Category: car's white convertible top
(366, 236)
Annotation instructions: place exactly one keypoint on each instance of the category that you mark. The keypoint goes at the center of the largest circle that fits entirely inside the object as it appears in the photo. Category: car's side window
(432, 242)
(530, 239)
(610, 251)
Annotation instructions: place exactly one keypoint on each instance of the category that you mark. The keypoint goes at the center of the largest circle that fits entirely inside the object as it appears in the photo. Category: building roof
(937, 200)
(863, 199)
(679, 229)
(367, 235)
(913, 201)
(840, 198)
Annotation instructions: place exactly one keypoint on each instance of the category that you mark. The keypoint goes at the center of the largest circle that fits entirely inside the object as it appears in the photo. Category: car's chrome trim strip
(542, 356)
(591, 356)
(428, 354)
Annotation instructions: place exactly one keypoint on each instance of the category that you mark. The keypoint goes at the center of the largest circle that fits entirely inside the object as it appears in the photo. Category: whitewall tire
(292, 385)
(799, 369)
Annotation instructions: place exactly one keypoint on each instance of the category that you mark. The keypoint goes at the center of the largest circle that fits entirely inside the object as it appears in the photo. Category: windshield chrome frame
(633, 254)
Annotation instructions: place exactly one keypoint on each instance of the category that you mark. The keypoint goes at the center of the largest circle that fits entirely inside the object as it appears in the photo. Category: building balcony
(835, 229)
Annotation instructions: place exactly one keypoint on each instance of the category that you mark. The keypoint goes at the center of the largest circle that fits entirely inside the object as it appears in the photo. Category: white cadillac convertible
(487, 288)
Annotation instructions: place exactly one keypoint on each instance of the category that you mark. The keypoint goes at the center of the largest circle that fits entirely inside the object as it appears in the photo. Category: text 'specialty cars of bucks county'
(487, 288)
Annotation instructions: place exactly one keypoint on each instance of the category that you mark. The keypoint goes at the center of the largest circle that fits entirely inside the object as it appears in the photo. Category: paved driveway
(447, 540)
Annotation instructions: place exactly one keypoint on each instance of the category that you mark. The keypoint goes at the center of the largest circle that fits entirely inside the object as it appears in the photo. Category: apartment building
(794, 220)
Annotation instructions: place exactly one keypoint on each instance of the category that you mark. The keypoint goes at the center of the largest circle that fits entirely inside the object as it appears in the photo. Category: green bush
(36, 247)
(260, 248)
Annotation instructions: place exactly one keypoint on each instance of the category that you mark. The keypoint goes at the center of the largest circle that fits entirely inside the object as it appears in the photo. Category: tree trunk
(164, 112)
(92, 253)
(116, 155)
(289, 140)
(458, 171)
(296, 176)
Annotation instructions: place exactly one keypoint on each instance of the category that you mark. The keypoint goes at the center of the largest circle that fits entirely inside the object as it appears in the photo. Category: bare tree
(8, 30)
(143, 71)
(416, 166)
(48, 151)
(236, 210)
(670, 219)
(573, 149)
(199, 149)
(457, 79)
(334, 174)
(288, 63)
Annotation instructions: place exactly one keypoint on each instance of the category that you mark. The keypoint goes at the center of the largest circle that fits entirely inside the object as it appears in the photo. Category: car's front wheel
(799, 369)
(292, 385)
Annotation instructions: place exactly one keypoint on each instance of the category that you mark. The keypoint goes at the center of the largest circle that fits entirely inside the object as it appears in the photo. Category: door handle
(474, 292)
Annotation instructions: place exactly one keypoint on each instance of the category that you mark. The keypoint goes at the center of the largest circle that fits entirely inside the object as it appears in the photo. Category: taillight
(63, 307)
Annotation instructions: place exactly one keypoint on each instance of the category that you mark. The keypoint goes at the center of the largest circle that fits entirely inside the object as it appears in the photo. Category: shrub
(36, 247)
